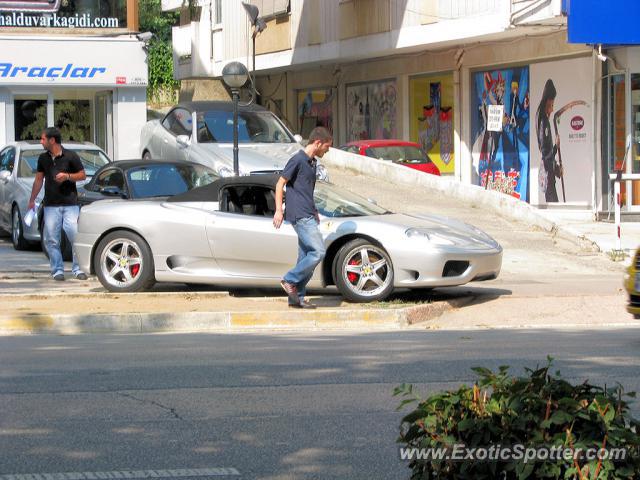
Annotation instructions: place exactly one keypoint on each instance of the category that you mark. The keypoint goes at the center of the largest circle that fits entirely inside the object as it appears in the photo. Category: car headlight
(321, 173)
(431, 237)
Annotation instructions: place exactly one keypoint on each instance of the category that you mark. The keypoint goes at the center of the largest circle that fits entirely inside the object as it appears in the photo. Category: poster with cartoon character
(371, 110)
(431, 118)
(501, 153)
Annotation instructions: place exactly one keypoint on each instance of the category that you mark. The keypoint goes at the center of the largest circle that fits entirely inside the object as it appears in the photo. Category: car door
(177, 122)
(244, 241)
(7, 161)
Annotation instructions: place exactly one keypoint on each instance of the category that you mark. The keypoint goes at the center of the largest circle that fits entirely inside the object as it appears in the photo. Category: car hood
(460, 233)
(264, 156)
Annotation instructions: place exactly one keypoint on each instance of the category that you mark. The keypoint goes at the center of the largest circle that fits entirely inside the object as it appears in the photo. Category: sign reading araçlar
(72, 61)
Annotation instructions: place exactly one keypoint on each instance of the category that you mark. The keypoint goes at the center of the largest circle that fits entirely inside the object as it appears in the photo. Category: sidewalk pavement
(547, 279)
(603, 233)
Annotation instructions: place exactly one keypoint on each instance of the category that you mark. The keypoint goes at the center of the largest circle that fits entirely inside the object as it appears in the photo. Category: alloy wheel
(366, 271)
(121, 262)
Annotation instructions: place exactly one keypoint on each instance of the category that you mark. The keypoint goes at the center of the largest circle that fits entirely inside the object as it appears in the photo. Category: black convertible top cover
(211, 192)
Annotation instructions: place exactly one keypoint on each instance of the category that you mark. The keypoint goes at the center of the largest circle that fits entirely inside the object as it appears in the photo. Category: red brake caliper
(135, 269)
(351, 275)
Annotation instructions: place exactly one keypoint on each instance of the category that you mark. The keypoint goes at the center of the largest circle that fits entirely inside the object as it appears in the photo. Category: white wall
(4, 99)
(129, 115)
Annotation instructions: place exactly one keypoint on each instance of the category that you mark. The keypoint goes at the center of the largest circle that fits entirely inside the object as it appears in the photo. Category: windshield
(253, 127)
(162, 180)
(399, 154)
(334, 202)
(92, 160)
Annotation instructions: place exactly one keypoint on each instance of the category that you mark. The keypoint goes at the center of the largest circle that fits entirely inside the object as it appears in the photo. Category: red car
(398, 151)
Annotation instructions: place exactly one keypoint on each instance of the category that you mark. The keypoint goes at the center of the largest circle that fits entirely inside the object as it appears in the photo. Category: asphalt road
(256, 406)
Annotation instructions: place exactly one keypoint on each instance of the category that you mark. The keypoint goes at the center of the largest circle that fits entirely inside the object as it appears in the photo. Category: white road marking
(125, 474)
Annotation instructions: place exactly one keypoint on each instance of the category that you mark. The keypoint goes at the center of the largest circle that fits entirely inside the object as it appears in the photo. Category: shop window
(30, 118)
(315, 109)
(73, 118)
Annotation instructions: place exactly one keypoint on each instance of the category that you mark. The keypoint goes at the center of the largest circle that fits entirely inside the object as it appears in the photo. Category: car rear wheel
(123, 262)
(17, 233)
(363, 272)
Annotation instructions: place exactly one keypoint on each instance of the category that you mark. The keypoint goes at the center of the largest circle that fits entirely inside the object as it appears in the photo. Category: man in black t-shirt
(59, 169)
(299, 176)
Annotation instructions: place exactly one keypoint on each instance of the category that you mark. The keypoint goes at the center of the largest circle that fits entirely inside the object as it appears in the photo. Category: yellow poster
(431, 118)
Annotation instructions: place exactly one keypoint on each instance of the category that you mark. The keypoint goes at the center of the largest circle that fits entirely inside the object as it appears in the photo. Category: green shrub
(539, 410)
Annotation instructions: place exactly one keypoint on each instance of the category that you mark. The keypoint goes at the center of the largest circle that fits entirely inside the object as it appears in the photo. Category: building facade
(492, 89)
(79, 66)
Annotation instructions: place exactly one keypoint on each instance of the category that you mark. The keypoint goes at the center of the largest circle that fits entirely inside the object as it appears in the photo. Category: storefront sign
(56, 14)
(431, 104)
(68, 61)
(612, 23)
(562, 159)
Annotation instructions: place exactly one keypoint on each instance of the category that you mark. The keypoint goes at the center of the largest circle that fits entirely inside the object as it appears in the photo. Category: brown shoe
(303, 304)
(291, 291)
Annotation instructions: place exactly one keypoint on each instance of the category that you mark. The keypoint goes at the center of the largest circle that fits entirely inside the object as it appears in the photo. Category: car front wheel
(123, 262)
(363, 272)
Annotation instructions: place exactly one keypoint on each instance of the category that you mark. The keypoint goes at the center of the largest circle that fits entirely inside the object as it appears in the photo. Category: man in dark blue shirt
(299, 175)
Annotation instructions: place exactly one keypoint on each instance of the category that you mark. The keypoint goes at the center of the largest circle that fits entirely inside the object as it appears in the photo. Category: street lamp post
(258, 25)
(235, 75)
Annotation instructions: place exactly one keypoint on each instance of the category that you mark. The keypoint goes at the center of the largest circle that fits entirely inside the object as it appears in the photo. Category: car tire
(123, 262)
(17, 231)
(363, 271)
(146, 155)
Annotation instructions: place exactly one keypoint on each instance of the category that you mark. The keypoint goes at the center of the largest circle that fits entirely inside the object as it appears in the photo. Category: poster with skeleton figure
(561, 134)
(500, 149)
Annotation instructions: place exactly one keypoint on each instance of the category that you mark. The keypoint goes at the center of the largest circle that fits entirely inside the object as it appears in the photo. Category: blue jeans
(55, 220)
(311, 251)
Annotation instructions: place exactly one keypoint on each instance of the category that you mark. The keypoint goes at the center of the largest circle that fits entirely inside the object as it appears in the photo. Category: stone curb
(503, 205)
(192, 322)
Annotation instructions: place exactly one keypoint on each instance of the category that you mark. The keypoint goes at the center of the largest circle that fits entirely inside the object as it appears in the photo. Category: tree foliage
(160, 53)
(72, 118)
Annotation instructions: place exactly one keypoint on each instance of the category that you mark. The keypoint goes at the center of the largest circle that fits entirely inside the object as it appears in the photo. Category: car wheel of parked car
(146, 156)
(124, 263)
(363, 272)
(17, 233)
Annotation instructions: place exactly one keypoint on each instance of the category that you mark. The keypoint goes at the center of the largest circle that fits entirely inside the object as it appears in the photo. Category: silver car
(18, 165)
(202, 132)
(223, 234)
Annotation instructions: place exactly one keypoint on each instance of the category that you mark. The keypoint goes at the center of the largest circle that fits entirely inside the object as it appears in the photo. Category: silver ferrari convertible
(222, 234)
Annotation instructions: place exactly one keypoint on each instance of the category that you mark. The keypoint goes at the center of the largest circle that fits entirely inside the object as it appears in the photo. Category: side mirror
(5, 175)
(183, 140)
(298, 138)
(111, 191)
